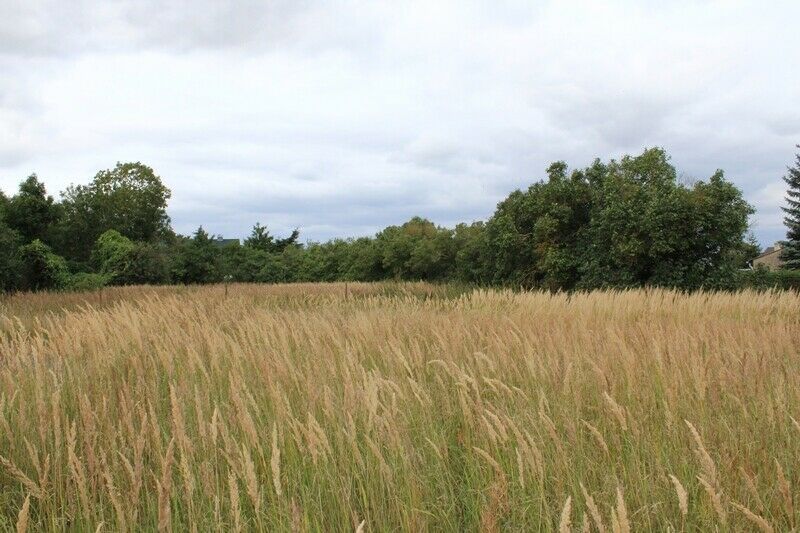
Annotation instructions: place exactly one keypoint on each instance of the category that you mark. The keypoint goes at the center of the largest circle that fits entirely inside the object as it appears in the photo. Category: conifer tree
(791, 247)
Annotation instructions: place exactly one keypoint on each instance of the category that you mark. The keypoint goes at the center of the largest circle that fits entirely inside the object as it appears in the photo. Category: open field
(399, 407)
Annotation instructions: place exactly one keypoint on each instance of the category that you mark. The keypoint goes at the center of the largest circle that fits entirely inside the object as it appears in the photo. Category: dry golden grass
(400, 407)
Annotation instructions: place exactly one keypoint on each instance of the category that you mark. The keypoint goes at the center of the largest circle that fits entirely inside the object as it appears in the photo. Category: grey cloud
(32, 28)
(450, 157)
(58, 28)
(786, 125)
(617, 120)
(189, 24)
(343, 117)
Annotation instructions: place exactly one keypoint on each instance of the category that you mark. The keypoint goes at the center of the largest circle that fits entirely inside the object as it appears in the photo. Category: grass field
(399, 407)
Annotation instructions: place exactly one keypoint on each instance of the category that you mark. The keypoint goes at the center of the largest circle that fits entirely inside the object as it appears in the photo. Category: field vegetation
(620, 224)
(381, 407)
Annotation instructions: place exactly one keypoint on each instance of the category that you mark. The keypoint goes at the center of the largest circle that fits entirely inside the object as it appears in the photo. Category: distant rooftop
(777, 247)
(770, 258)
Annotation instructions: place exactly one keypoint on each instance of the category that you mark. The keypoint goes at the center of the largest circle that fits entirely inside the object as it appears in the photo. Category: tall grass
(399, 407)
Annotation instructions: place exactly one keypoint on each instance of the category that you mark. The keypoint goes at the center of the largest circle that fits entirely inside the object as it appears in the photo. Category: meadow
(399, 407)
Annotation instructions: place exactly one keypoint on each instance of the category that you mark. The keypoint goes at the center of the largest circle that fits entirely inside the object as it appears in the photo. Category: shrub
(86, 281)
(112, 254)
(41, 268)
(763, 279)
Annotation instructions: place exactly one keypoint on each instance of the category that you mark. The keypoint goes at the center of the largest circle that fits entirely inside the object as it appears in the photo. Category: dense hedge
(763, 279)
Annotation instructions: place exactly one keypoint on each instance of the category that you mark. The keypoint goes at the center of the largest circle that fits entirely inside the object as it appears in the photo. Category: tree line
(623, 223)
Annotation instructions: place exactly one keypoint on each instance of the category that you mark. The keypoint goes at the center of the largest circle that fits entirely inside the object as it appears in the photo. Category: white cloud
(343, 117)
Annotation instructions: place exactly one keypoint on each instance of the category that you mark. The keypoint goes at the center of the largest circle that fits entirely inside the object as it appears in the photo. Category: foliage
(627, 223)
(646, 229)
(86, 282)
(124, 262)
(31, 212)
(242, 263)
(469, 242)
(40, 268)
(260, 239)
(111, 255)
(9, 259)
(764, 279)
(535, 238)
(791, 249)
(361, 260)
(197, 260)
(148, 264)
(417, 250)
(623, 223)
(130, 198)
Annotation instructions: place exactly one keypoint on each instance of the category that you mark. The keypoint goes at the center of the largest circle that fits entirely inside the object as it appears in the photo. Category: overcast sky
(343, 117)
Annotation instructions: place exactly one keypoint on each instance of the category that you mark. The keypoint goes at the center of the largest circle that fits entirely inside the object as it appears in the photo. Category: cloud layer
(343, 117)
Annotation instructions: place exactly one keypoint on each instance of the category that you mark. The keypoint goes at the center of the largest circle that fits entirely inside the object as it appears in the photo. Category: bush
(124, 262)
(763, 279)
(147, 264)
(86, 281)
(111, 255)
(41, 268)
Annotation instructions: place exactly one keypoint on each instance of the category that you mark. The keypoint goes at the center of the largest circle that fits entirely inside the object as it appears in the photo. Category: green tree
(197, 260)
(124, 262)
(625, 223)
(470, 259)
(260, 239)
(129, 198)
(9, 263)
(111, 255)
(417, 250)
(535, 237)
(322, 262)
(274, 270)
(31, 212)
(362, 261)
(40, 268)
(9, 242)
(718, 234)
(749, 250)
(647, 229)
(148, 264)
(791, 247)
(635, 224)
(242, 263)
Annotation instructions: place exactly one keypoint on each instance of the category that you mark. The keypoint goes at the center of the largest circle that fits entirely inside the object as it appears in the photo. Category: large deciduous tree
(626, 223)
(535, 236)
(31, 212)
(130, 198)
(647, 229)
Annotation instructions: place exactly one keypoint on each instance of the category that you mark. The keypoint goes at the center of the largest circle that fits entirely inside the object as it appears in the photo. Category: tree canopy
(619, 224)
(622, 223)
(31, 212)
(130, 198)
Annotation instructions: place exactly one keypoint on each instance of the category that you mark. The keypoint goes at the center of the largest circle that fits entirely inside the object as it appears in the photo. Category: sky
(342, 117)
